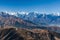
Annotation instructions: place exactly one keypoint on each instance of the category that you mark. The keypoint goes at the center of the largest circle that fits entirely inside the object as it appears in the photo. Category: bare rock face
(26, 34)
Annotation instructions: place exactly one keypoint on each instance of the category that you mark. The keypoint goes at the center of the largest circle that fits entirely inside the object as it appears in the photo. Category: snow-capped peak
(23, 13)
(56, 13)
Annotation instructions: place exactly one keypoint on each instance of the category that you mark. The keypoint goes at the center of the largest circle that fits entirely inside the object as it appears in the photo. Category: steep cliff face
(26, 34)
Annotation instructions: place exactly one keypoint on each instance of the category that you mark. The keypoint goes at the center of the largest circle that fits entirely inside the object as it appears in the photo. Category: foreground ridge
(26, 34)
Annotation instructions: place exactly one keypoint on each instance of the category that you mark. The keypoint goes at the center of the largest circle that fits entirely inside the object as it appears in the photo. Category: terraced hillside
(26, 34)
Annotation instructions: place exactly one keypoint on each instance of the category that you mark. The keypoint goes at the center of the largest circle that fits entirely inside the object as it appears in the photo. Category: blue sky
(30, 5)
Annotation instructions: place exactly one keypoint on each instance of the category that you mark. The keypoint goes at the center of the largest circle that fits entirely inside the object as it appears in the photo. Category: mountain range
(31, 21)
(46, 19)
(10, 20)
(32, 26)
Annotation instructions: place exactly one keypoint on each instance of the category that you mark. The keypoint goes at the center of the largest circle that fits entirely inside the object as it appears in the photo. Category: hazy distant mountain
(41, 19)
(47, 19)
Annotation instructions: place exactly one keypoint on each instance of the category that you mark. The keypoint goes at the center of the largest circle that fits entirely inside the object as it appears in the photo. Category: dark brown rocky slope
(26, 34)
